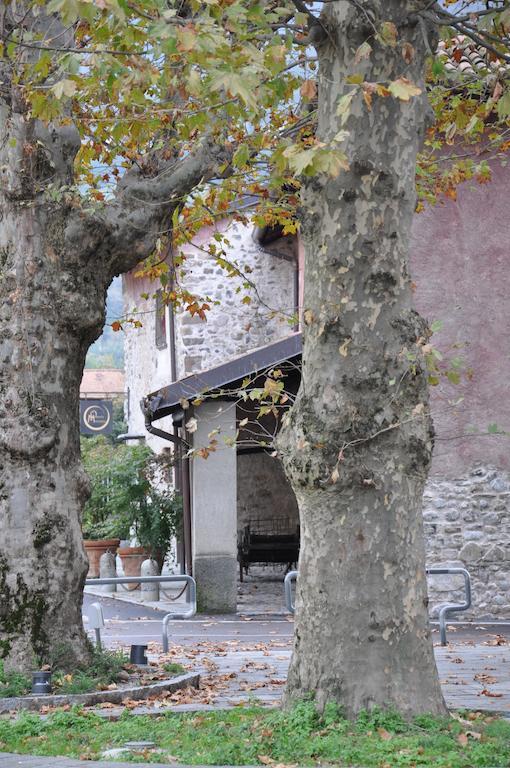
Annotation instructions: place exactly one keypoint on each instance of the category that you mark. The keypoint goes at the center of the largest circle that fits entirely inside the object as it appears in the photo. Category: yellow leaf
(344, 106)
(384, 734)
(403, 89)
(343, 347)
(388, 34)
(186, 37)
(64, 88)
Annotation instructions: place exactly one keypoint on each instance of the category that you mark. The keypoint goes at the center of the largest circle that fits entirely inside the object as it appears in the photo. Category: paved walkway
(243, 659)
(28, 761)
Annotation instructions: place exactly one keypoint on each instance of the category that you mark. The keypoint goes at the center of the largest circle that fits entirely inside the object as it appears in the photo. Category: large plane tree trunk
(357, 444)
(52, 308)
(57, 259)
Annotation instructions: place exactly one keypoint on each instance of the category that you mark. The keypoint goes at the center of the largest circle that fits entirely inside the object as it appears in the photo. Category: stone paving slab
(472, 677)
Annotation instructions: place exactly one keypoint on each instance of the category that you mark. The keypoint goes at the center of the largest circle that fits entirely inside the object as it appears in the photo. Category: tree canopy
(153, 79)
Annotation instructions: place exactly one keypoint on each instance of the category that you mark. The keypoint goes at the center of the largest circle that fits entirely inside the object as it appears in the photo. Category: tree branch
(145, 200)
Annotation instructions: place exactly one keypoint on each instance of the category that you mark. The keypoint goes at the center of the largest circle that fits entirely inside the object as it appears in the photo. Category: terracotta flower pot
(132, 559)
(95, 549)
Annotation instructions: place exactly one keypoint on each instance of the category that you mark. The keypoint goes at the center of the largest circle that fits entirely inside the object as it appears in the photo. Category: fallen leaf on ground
(487, 679)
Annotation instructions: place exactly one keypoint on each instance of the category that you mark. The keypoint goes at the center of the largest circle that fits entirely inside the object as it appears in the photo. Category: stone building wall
(263, 491)
(459, 264)
(467, 524)
(147, 368)
(233, 327)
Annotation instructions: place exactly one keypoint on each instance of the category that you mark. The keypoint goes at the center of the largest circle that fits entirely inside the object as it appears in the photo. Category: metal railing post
(444, 611)
(289, 578)
(449, 608)
(191, 588)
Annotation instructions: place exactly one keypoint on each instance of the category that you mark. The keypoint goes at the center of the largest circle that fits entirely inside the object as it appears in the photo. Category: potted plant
(130, 500)
(99, 529)
(155, 515)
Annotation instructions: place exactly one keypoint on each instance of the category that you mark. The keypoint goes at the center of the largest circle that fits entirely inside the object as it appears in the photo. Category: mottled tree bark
(357, 444)
(56, 262)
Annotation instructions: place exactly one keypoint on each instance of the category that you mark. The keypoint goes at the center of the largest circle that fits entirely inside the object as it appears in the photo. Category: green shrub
(130, 493)
(13, 683)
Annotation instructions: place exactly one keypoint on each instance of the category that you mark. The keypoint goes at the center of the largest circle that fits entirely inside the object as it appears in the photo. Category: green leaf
(241, 156)
(438, 67)
(504, 106)
(453, 377)
(436, 326)
(236, 85)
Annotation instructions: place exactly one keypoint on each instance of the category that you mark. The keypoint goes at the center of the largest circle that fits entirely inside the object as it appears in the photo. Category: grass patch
(13, 683)
(104, 669)
(246, 736)
(174, 669)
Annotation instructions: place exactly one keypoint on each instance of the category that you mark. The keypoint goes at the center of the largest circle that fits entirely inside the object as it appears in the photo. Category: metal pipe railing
(444, 610)
(448, 608)
(191, 589)
(289, 578)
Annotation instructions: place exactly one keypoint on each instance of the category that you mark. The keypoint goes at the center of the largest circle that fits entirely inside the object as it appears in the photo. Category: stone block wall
(467, 524)
(263, 491)
(233, 327)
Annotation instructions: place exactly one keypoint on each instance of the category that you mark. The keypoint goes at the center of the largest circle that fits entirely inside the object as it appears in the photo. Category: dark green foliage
(119, 426)
(129, 494)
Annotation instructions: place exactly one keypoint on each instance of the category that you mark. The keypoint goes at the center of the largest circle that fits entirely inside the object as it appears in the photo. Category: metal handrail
(444, 611)
(192, 594)
(287, 583)
(452, 607)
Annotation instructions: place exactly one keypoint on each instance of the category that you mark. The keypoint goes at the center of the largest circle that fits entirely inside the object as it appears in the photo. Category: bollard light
(137, 655)
(41, 683)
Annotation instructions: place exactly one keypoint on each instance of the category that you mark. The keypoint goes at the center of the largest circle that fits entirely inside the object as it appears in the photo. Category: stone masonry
(233, 327)
(467, 524)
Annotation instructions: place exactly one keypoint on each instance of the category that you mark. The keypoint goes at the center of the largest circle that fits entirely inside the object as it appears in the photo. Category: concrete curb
(117, 696)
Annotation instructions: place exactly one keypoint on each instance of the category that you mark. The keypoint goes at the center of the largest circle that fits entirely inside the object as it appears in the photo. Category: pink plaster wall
(460, 262)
